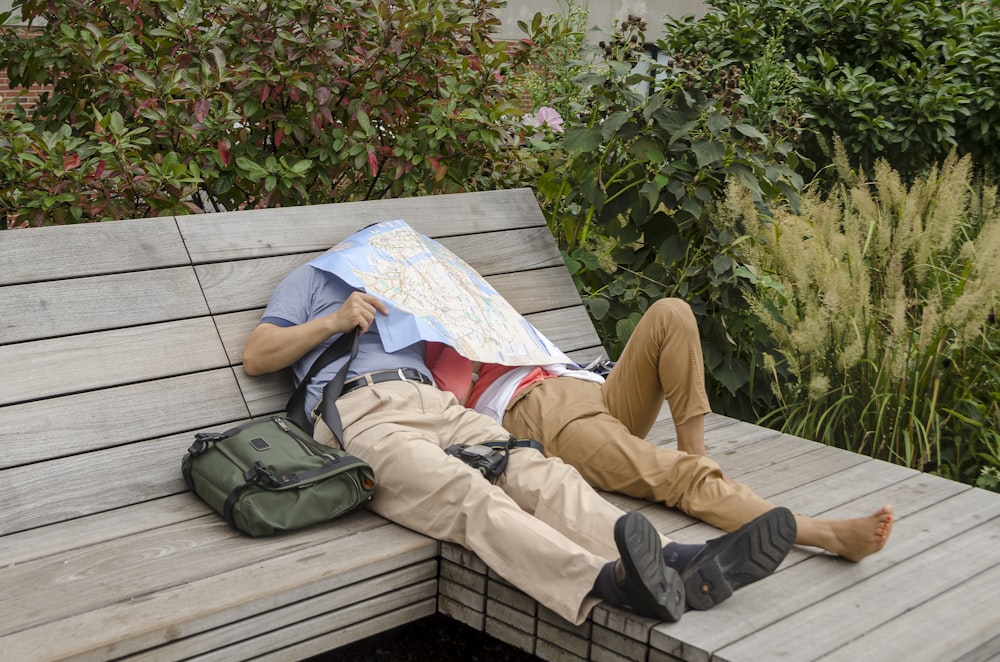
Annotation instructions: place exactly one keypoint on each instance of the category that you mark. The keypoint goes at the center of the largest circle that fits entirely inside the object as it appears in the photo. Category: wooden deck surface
(931, 594)
(120, 340)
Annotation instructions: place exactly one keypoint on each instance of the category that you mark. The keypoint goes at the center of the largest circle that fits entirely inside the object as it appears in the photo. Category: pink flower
(547, 116)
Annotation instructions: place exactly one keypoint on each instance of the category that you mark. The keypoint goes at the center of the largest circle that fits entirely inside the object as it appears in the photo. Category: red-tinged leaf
(294, 94)
(373, 163)
(264, 91)
(439, 173)
(323, 95)
(279, 136)
(434, 162)
(326, 113)
(71, 161)
(224, 152)
(201, 109)
(101, 165)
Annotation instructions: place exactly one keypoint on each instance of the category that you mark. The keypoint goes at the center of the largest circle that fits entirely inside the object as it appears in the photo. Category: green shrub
(882, 302)
(252, 104)
(645, 155)
(899, 80)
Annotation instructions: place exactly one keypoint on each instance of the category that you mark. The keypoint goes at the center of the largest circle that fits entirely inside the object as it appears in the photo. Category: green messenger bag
(268, 475)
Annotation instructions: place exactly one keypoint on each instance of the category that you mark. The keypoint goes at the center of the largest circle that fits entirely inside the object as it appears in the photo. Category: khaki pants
(600, 430)
(541, 527)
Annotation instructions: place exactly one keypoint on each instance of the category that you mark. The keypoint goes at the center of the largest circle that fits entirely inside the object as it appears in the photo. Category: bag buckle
(203, 440)
(260, 474)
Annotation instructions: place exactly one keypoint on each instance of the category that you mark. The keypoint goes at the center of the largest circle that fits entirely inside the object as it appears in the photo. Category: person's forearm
(271, 348)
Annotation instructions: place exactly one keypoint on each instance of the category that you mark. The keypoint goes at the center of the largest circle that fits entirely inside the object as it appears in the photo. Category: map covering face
(433, 295)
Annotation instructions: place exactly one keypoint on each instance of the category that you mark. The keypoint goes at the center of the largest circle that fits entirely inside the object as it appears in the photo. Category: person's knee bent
(674, 312)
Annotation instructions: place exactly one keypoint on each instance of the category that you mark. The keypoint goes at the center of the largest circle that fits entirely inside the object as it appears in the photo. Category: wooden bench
(120, 340)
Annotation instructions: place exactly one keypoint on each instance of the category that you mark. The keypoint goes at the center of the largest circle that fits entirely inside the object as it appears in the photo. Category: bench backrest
(120, 340)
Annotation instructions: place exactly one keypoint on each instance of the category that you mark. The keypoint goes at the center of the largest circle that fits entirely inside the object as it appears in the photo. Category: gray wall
(602, 13)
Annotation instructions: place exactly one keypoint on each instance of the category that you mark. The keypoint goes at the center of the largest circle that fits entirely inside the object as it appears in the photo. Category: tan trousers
(541, 527)
(600, 430)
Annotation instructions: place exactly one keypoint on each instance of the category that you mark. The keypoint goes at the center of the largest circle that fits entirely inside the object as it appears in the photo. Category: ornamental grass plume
(881, 300)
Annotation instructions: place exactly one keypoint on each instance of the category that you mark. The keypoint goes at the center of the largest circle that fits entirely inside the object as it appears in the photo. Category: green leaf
(598, 307)
(708, 151)
(751, 132)
(364, 122)
(302, 166)
(673, 250)
(582, 139)
(613, 123)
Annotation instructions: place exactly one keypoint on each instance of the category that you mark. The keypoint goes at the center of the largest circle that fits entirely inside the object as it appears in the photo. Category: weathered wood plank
(90, 483)
(798, 470)
(56, 308)
(362, 630)
(58, 366)
(865, 605)
(113, 570)
(206, 576)
(938, 629)
(252, 645)
(276, 629)
(71, 251)
(817, 580)
(50, 540)
(259, 233)
(44, 429)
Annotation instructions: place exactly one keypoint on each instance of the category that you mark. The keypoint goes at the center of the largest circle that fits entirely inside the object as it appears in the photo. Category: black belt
(372, 378)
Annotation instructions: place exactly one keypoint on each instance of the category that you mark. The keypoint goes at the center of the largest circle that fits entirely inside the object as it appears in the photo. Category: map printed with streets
(434, 295)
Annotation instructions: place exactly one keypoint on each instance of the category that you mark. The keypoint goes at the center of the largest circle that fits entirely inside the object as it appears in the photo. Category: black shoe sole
(653, 590)
(737, 559)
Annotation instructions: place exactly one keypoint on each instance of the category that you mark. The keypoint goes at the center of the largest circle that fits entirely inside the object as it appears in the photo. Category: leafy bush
(251, 104)
(645, 155)
(899, 80)
(882, 299)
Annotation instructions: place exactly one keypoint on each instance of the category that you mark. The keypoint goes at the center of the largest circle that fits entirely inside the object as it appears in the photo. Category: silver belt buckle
(402, 375)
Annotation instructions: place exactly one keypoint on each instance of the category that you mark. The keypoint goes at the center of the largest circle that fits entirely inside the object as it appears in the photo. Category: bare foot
(854, 539)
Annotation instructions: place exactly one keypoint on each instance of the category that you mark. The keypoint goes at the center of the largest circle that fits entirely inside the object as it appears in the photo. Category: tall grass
(881, 299)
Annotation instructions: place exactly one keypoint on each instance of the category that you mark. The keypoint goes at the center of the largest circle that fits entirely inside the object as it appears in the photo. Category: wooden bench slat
(79, 305)
(939, 628)
(206, 575)
(785, 594)
(123, 339)
(504, 252)
(264, 232)
(70, 251)
(570, 329)
(73, 424)
(778, 452)
(541, 290)
(878, 598)
(57, 366)
(107, 573)
(362, 630)
(92, 482)
(300, 623)
(66, 535)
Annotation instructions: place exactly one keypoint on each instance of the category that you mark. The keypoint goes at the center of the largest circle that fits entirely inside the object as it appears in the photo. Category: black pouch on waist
(490, 457)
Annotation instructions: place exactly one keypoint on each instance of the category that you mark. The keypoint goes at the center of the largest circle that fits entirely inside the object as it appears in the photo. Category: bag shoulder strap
(296, 409)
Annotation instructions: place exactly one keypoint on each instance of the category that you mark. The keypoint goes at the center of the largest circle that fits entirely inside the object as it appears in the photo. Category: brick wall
(7, 93)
